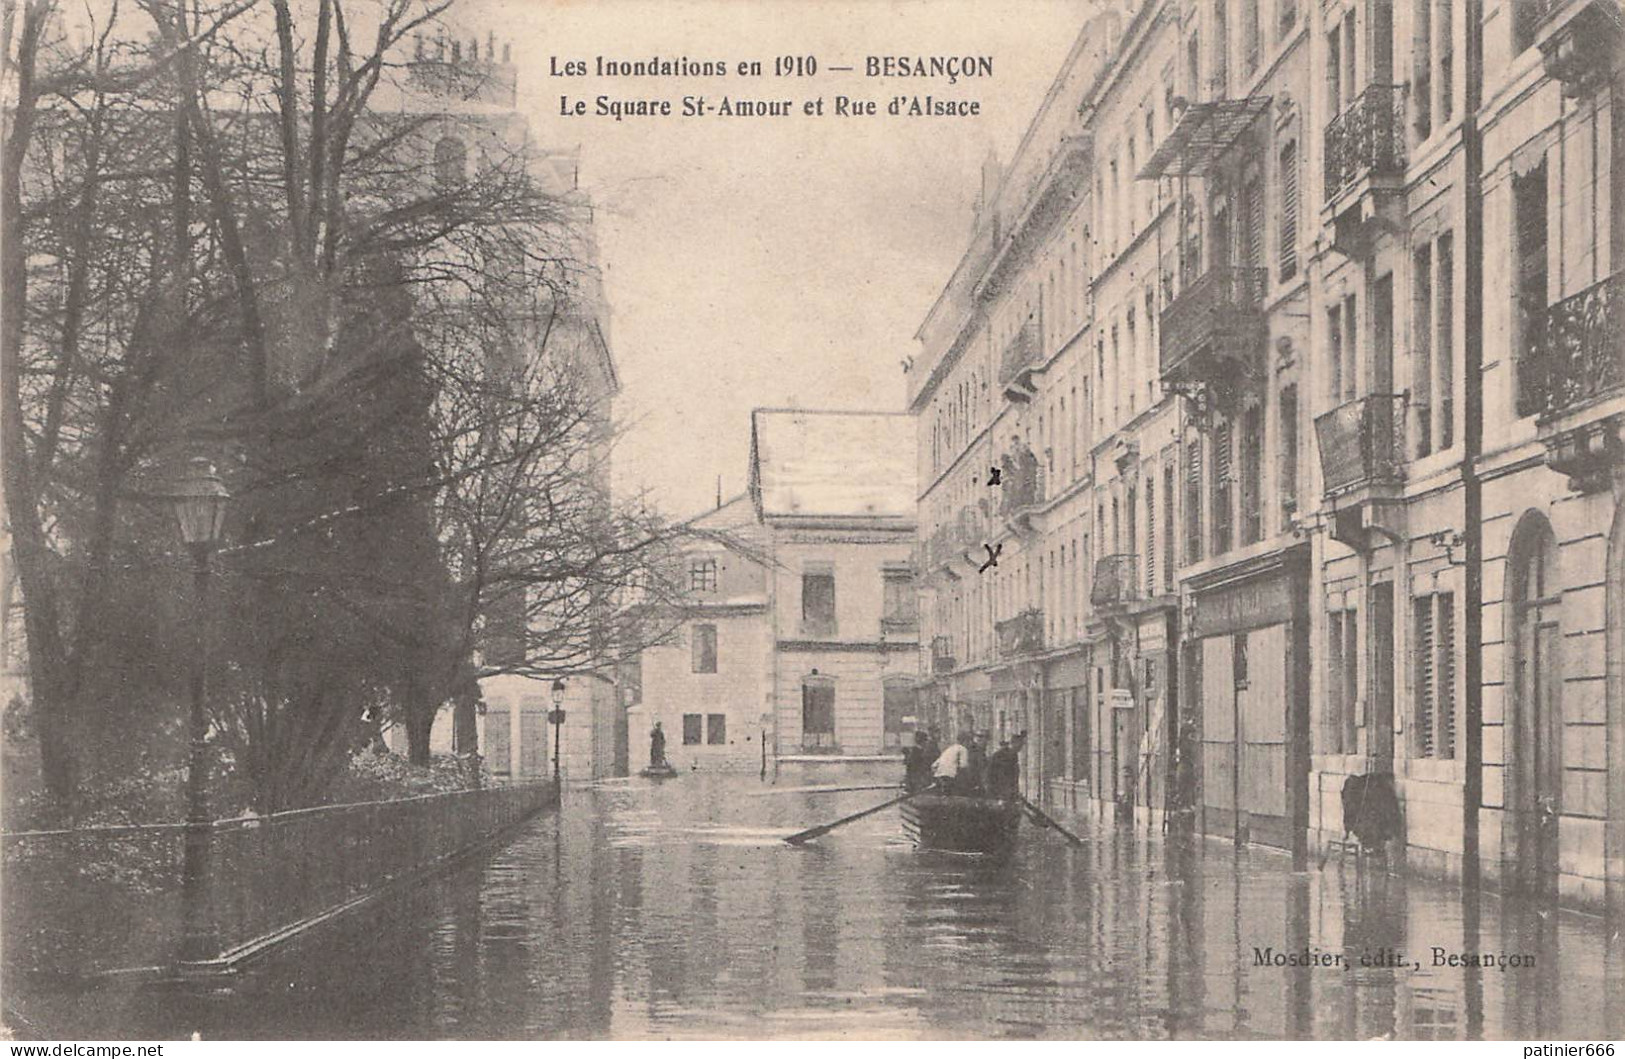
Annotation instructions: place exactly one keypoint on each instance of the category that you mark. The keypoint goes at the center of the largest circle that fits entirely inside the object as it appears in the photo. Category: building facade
(710, 688)
(1342, 331)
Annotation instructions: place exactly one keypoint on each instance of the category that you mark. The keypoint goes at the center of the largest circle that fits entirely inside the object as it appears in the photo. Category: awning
(1203, 133)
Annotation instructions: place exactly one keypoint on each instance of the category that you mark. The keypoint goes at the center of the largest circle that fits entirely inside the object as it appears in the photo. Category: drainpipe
(1472, 448)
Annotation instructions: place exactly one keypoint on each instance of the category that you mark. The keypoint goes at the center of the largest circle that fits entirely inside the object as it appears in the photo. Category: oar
(825, 790)
(1047, 821)
(823, 829)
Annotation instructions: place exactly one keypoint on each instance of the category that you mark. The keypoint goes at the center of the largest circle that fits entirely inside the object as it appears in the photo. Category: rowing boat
(962, 823)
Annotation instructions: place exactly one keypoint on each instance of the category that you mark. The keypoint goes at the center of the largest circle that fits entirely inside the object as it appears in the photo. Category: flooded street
(677, 911)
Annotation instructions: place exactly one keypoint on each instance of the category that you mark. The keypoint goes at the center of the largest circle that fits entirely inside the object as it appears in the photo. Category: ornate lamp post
(200, 500)
(557, 717)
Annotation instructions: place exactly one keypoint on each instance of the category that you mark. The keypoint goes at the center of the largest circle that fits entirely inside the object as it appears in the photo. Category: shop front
(1247, 668)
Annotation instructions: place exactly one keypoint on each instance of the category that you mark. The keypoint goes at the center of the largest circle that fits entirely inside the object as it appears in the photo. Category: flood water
(676, 911)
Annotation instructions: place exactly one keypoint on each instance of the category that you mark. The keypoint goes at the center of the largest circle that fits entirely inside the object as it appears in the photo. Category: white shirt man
(950, 762)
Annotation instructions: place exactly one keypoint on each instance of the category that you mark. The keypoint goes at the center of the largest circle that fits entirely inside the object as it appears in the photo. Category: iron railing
(1578, 355)
(92, 899)
(1362, 441)
(1022, 352)
(1222, 312)
(1022, 634)
(1367, 137)
(1115, 580)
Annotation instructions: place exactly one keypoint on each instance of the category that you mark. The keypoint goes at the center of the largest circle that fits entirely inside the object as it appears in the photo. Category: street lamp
(557, 717)
(200, 507)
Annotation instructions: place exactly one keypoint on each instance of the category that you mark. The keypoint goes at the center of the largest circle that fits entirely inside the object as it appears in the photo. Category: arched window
(450, 161)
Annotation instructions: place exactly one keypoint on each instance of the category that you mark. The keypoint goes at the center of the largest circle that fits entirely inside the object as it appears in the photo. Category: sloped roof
(819, 464)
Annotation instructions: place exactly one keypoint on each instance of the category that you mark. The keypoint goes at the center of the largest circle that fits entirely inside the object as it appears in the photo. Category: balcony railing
(1579, 357)
(943, 659)
(1215, 326)
(1022, 634)
(1115, 580)
(1362, 441)
(1367, 138)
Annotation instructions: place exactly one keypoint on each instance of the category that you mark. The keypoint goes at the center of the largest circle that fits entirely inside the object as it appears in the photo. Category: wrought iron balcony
(1368, 138)
(1022, 634)
(1116, 580)
(1362, 442)
(943, 659)
(1214, 332)
(1580, 357)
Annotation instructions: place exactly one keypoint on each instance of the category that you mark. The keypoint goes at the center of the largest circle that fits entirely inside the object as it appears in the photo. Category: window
(1238, 659)
(1251, 35)
(818, 716)
(702, 575)
(1433, 673)
(1422, 68)
(1222, 478)
(1444, 356)
(1526, 16)
(1529, 204)
(1193, 501)
(1422, 346)
(818, 603)
(692, 729)
(1286, 18)
(450, 161)
(899, 704)
(1221, 51)
(1445, 60)
(1168, 528)
(716, 729)
(900, 609)
(1288, 266)
(705, 649)
(1252, 475)
(1342, 685)
(1287, 483)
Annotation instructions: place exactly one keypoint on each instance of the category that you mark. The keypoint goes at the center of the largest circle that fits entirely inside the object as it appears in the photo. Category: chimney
(719, 492)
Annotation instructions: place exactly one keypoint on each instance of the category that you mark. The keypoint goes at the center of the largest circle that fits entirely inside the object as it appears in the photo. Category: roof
(825, 464)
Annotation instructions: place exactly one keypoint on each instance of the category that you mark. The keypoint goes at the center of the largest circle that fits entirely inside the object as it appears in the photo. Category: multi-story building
(800, 648)
(1328, 399)
(711, 686)
(845, 632)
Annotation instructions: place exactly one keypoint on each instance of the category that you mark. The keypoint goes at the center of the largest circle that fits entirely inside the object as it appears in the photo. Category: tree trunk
(420, 710)
(465, 730)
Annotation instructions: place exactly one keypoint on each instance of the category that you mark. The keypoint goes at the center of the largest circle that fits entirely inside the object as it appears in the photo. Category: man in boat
(976, 773)
(948, 771)
(1004, 768)
(917, 762)
(657, 747)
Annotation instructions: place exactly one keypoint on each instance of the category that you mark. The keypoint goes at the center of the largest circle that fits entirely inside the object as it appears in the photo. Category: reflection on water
(676, 911)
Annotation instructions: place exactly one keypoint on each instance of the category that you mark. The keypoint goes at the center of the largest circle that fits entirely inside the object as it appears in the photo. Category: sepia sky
(780, 261)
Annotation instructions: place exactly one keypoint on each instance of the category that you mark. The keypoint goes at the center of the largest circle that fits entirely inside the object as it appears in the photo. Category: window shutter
(1445, 676)
(1422, 609)
(1289, 212)
(1151, 534)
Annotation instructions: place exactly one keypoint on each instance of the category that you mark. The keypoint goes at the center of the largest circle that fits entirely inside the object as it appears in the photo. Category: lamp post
(557, 717)
(200, 508)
